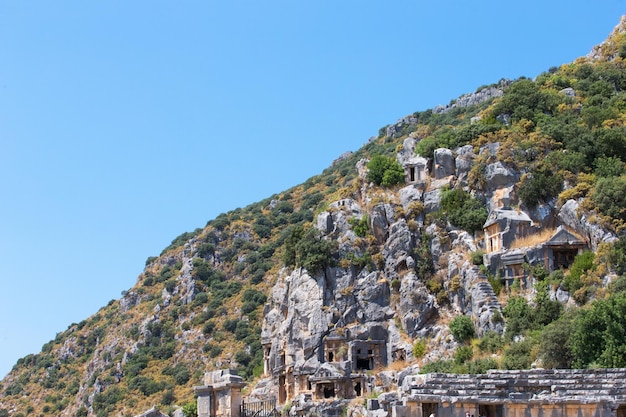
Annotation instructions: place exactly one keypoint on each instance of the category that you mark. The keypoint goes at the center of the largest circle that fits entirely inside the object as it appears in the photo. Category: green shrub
(582, 263)
(190, 409)
(519, 316)
(170, 284)
(253, 295)
(360, 226)
(146, 385)
(463, 354)
(306, 248)
(477, 257)
(491, 342)
(384, 170)
(598, 336)
(545, 310)
(419, 349)
(230, 325)
(554, 347)
(168, 397)
(462, 210)
(619, 285)
(242, 330)
(441, 366)
(608, 167)
(248, 307)
(206, 249)
(453, 138)
(262, 227)
(243, 358)
(518, 355)
(283, 207)
(166, 273)
(540, 187)
(617, 256)
(481, 366)
(525, 100)
(215, 351)
(208, 328)
(220, 222)
(610, 198)
(462, 328)
(424, 265)
(312, 200)
(200, 298)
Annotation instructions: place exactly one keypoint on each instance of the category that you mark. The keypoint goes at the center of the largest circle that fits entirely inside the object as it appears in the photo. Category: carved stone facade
(504, 226)
(562, 248)
(335, 369)
(416, 171)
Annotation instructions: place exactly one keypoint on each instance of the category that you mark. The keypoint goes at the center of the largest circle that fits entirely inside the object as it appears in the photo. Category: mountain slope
(381, 252)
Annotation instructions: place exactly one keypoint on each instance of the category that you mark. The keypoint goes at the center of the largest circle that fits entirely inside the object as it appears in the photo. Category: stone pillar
(205, 401)
(235, 401)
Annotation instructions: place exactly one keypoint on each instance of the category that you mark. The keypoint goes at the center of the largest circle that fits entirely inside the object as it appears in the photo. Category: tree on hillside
(599, 335)
(385, 171)
(610, 198)
(463, 210)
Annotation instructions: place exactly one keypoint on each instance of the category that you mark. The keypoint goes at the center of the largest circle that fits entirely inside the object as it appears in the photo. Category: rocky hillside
(480, 235)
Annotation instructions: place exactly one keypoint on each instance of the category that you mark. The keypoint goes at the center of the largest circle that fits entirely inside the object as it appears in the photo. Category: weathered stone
(463, 162)
(380, 219)
(591, 231)
(443, 163)
(499, 176)
(398, 247)
(410, 194)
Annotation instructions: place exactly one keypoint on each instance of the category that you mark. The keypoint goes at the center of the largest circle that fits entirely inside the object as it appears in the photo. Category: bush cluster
(463, 210)
(385, 171)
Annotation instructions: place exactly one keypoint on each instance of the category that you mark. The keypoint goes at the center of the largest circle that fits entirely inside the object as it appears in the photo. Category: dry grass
(398, 366)
(533, 240)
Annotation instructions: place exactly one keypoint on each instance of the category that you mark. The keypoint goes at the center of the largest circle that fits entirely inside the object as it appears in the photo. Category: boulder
(463, 162)
(443, 163)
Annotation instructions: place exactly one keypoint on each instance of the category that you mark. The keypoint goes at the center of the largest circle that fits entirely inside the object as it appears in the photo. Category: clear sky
(125, 123)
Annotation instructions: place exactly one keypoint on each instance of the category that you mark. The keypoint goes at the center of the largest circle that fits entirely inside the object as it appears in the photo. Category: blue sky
(125, 123)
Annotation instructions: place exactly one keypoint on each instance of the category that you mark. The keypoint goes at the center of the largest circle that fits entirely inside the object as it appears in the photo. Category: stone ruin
(220, 396)
(525, 393)
(498, 393)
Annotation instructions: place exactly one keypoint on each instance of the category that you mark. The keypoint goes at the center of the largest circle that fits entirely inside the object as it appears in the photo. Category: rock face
(324, 330)
(568, 215)
(444, 163)
(474, 98)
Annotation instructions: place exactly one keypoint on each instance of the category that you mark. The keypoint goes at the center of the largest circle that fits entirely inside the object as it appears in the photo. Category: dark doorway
(563, 258)
(490, 410)
(429, 408)
(282, 392)
(329, 390)
(357, 389)
(363, 364)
